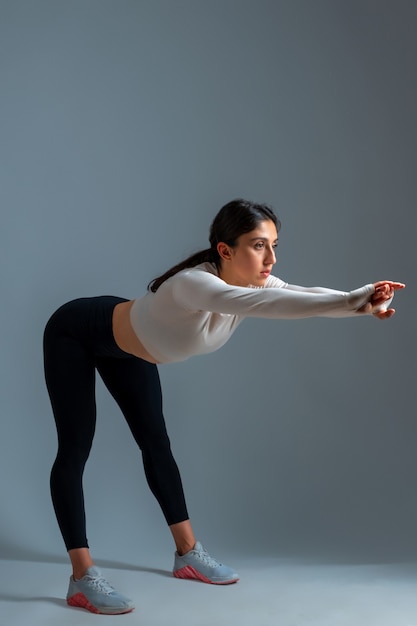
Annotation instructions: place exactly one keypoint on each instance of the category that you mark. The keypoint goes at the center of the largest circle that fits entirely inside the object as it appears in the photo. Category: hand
(384, 293)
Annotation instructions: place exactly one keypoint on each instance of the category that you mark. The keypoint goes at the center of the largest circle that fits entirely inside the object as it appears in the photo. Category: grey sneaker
(93, 592)
(197, 564)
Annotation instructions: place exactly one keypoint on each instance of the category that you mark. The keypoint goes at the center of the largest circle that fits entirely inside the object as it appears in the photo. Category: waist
(125, 336)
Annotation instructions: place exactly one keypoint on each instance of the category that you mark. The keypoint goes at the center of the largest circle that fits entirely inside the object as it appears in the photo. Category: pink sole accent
(189, 573)
(79, 600)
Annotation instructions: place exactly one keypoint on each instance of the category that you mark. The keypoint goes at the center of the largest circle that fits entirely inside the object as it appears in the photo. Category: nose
(270, 257)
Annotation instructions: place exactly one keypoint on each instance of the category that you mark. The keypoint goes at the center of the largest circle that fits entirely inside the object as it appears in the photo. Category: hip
(88, 321)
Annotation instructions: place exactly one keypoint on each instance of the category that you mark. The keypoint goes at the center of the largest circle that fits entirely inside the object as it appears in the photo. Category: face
(250, 262)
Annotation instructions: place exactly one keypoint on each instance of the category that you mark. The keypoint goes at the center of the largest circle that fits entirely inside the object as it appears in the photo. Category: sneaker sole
(80, 601)
(189, 573)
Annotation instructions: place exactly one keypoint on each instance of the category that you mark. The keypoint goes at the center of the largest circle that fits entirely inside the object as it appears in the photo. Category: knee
(72, 456)
(155, 441)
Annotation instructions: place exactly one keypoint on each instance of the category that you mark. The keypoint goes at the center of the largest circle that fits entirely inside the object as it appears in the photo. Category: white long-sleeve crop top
(195, 312)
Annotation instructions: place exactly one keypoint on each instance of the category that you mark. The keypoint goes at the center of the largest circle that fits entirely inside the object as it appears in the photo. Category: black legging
(78, 339)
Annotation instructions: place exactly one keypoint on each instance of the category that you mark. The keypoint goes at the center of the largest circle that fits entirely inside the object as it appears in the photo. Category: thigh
(135, 385)
(70, 376)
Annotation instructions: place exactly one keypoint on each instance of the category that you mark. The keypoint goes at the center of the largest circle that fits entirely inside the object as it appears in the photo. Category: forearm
(313, 289)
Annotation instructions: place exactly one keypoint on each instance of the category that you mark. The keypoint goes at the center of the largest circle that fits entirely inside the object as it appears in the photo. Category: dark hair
(233, 220)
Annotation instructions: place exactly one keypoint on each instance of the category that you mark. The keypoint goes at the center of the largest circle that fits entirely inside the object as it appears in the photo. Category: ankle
(79, 573)
(183, 548)
(80, 560)
(183, 536)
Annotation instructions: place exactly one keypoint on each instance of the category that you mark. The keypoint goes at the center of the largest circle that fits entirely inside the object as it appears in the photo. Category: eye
(259, 245)
(275, 245)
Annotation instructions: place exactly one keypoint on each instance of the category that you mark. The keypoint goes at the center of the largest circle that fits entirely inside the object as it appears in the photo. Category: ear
(224, 251)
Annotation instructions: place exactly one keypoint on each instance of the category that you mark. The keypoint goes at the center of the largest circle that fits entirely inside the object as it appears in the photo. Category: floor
(271, 592)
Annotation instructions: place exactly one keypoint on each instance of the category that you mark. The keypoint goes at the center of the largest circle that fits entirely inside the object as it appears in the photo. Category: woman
(191, 309)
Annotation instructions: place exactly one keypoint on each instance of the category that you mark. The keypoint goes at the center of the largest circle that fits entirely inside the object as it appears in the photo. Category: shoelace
(100, 584)
(204, 556)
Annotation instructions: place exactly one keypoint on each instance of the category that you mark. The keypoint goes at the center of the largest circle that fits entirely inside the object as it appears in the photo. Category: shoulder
(275, 283)
(206, 272)
(191, 282)
(201, 268)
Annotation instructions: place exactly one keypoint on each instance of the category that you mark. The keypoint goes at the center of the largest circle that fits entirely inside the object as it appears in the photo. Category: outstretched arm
(198, 290)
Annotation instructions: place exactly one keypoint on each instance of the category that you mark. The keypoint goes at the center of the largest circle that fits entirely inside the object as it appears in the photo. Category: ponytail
(203, 256)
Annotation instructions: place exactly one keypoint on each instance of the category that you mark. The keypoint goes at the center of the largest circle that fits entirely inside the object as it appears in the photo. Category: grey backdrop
(125, 125)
